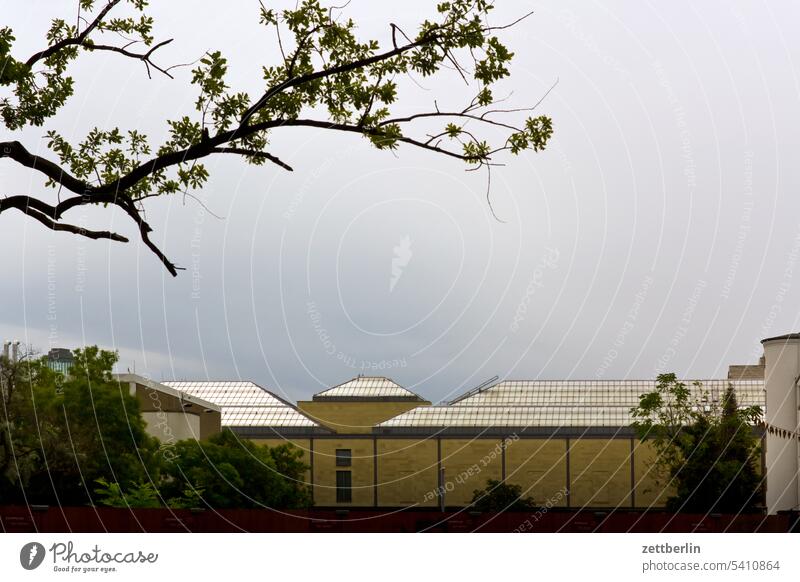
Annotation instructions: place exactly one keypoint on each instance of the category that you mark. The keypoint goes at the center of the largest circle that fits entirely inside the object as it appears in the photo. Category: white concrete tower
(782, 417)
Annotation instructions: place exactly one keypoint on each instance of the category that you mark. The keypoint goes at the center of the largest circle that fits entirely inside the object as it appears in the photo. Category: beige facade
(466, 466)
(354, 417)
(393, 472)
(171, 415)
(360, 460)
(408, 472)
(539, 467)
(650, 489)
(600, 472)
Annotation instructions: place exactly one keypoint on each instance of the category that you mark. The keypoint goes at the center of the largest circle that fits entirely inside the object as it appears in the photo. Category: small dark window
(344, 487)
(344, 457)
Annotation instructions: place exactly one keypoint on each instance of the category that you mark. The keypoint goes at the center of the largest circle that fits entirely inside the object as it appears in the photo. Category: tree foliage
(61, 433)
(139, 495)
(706, 451)
(226, 471)
(500, 496)
(323, 77)
(81, 439)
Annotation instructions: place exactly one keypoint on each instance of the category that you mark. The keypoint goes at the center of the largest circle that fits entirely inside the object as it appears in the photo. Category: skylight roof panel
(367, 387)
(246, 404)
(598, 392)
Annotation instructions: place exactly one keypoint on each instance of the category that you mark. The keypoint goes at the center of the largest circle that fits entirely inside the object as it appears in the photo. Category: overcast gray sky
(659, 231)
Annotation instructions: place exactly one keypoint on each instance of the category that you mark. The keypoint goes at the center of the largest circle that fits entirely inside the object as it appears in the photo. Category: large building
(372, 443)
(171, 415)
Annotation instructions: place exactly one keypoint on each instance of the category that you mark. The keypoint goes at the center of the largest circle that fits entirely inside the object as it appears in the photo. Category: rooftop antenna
(478, 389)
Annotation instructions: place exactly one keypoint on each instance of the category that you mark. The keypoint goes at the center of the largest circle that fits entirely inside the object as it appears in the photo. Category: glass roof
(245, 404)
(527, 403)
(264, 416)
(601, 392)
(556, 403)
(228, 393)
(516, 416)
(368, 387)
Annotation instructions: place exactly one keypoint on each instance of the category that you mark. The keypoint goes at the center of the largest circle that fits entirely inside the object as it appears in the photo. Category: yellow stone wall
(539, 466)
(468, 464)
(600, 472)
(354, 417)
(648, 491)
(407, 472)
(362, 469)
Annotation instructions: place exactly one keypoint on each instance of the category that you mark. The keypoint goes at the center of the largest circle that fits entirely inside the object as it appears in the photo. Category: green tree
(139, 495)
(62, 434)
(707, 451)
(81, 439)
(225, 471)
(501, 496)
(23, 435)
(104, 424)
(323, 76)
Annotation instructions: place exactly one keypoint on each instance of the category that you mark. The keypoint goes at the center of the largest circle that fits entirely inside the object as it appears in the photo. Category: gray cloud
(658, 231)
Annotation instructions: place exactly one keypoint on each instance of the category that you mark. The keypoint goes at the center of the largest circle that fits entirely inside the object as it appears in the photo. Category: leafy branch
(326, 79)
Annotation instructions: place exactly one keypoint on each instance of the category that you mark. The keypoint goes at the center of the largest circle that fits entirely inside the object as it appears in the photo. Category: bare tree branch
(17, 152)
(144, 57)
(49, 215)
(60, 226)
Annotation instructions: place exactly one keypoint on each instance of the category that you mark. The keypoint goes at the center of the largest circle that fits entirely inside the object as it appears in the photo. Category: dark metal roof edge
(280, 431)
(414, 398)
(538, 431)
(786, 336)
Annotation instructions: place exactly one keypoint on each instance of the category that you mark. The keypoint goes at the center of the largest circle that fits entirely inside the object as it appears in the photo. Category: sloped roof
(545, 403)
(601, 392)
(509, 416)
(165, 388)
(368, 388)
(278, 416)
(246, 404)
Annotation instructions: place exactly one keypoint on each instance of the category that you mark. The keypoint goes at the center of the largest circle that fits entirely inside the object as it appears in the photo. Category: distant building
(11, 350)
(172, 415)
(60, 360)
(370, 442)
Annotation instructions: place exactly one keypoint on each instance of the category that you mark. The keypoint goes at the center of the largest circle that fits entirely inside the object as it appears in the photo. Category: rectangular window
(344, 457)
(344, 484)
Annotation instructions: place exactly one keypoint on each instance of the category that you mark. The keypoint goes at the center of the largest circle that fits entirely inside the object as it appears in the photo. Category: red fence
(105, 519)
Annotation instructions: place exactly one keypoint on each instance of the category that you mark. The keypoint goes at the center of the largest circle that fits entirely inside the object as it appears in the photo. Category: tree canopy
(58, 434)
(226, 471)
(322, 76)
(81, 439)
(706, 451)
